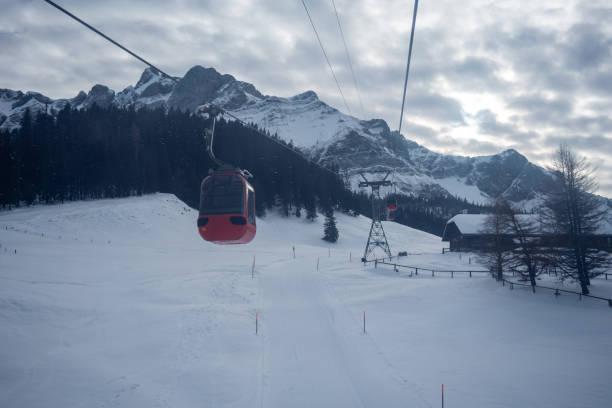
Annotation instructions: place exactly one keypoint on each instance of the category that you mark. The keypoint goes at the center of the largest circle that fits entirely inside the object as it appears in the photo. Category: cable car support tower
(377, 237)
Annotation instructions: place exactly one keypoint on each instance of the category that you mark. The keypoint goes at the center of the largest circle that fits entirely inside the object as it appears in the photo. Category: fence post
(432, 272)
(442, 395)
(610, 302)
(533, 288)
(294, 252)
(375, 263)
(416, 271)
(511, 285)
(470, 274)
(452, 274)
(350, 257)
(557, 292)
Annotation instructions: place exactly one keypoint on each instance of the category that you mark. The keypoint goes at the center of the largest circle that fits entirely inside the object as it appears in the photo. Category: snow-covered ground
(120, 303)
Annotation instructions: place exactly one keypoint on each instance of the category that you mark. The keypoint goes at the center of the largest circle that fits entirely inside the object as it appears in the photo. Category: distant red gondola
(392, 207)
(227, 209)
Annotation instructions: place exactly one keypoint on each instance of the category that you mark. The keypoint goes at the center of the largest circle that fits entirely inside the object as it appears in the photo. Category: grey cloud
(587, 47)
(413, 130)
(523, 37)
(443, 142)
(592, 143)
(532, 102)
(601, 82)
(539, 110)
(435, 106)
(489, 125)
(592, 11)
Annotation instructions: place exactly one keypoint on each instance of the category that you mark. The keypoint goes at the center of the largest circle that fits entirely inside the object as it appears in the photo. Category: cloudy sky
(485, 75)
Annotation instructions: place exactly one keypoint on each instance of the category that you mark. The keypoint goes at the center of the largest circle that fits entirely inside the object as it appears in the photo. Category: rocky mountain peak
(308, 95)
(100, 95)
(146, 76)
(197, 87)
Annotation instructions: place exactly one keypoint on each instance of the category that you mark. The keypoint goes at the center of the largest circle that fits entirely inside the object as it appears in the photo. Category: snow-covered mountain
(325, 133)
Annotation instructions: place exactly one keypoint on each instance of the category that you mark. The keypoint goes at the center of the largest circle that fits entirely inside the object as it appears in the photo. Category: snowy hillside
(328, 135)
(120, 303)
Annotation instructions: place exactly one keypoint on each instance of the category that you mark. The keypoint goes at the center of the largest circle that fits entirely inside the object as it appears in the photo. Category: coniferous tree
(330, 229)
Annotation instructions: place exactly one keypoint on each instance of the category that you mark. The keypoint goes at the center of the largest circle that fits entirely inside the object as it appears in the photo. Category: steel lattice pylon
(377, 237)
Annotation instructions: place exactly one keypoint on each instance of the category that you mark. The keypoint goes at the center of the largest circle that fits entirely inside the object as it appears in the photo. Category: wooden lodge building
(466, 232)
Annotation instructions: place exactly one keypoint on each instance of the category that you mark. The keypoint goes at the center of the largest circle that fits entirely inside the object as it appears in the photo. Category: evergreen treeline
(431, 213)
(106, 153)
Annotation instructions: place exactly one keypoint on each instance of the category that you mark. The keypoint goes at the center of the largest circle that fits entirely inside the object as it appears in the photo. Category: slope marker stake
(364, 321)
(253, 268)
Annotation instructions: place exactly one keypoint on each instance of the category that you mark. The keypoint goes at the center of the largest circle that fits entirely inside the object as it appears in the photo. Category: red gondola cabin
(227, 209)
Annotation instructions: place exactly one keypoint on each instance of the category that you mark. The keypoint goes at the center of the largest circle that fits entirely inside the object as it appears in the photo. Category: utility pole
(377, 237)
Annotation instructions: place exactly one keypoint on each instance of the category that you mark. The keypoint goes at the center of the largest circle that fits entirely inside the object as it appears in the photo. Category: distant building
(466, 232)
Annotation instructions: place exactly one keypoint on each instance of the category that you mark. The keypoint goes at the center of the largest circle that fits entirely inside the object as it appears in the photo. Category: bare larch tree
(574, 212)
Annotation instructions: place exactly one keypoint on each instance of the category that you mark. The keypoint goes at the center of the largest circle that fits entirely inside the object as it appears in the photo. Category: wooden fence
(556, 291)
(511, 284)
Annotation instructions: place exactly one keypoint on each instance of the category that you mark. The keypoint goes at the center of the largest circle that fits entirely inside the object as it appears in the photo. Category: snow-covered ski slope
(119, 303)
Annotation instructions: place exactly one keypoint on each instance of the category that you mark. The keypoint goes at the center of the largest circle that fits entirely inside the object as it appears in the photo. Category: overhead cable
(95, 30)
(325, 55)
(348, 58)
(416, 5)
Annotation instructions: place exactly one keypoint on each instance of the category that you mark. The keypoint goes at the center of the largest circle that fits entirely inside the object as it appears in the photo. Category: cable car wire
(348, 58)
(325, 55)
(414, 14)
(95, 30)
(223, 111)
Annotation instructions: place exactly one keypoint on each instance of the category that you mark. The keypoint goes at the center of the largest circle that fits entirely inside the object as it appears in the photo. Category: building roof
(473, 224)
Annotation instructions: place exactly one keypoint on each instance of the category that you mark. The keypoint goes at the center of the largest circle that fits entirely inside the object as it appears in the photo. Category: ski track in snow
(118, 303)
(307, 361)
